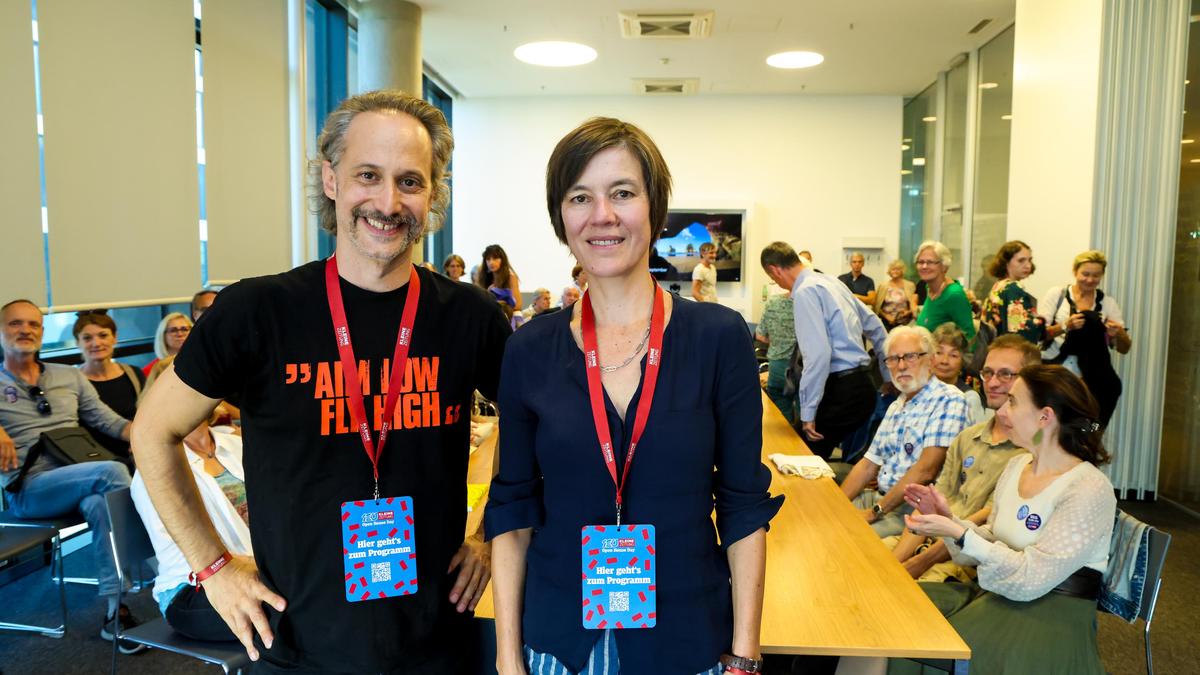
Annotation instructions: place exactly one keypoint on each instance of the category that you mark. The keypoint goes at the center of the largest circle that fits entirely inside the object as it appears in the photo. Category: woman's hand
(1074, 322)
(926, 499)
(933, 525)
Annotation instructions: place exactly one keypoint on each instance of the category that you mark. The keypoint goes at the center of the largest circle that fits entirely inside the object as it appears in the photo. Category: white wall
(809, 170)
(1056, 75)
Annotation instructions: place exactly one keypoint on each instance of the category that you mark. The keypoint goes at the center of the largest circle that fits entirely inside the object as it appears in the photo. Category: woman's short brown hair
(999, 266)
(93, 318)
(577, 148)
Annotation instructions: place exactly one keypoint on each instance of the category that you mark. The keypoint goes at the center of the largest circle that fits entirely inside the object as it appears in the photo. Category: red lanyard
(596, 390)
(354, 395)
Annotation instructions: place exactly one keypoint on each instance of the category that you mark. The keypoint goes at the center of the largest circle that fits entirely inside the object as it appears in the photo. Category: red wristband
(195, 578)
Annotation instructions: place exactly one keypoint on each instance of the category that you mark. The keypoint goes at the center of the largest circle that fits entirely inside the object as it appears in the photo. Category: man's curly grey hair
(332, 144)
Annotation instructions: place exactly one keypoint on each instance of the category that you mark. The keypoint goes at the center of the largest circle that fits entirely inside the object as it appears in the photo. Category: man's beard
(920, 379)
(413, 229)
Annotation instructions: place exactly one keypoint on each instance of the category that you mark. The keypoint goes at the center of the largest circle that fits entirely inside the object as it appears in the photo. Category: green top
(951, 305)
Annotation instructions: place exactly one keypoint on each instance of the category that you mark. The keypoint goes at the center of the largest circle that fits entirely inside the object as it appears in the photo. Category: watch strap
(741, 664)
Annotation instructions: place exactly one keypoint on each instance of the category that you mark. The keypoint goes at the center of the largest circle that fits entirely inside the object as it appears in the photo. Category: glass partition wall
(917, 195)
(954, 167)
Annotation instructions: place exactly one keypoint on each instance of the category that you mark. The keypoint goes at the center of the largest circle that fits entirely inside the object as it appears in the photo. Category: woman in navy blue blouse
(607, 193)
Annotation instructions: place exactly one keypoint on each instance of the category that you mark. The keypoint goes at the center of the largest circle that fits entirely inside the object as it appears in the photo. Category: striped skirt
(602, 661)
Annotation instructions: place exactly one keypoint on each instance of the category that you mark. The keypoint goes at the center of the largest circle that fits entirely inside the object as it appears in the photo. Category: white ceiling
(892, 47)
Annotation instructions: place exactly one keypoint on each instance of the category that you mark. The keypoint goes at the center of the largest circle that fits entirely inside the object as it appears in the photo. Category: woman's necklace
(636, 351)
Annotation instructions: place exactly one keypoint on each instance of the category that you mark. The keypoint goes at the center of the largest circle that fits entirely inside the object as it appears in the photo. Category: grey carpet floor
(32, 600)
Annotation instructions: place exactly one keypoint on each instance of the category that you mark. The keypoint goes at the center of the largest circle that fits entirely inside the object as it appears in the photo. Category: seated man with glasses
(974, 462)
(911, 442)
(36, 397)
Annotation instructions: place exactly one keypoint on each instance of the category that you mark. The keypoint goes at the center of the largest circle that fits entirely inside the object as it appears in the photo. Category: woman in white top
(216, 462)
(1084, 324)
(1043, 552)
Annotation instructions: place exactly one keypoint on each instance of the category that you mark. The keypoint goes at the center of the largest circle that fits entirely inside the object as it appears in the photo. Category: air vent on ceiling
(979, 26)
(666, 87)
(666, 25)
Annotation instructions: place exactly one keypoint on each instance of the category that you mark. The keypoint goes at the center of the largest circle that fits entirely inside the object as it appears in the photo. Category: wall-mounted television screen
(677, 251)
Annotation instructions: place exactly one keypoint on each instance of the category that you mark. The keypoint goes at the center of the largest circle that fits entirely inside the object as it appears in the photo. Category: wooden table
(831, 588)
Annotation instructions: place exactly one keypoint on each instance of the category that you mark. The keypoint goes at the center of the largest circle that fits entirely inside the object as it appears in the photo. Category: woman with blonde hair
(169, 337)
(896, 299)
(1084, 324)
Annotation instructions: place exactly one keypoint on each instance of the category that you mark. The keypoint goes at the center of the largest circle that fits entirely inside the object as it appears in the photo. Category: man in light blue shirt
(836, 395)
(910, 445)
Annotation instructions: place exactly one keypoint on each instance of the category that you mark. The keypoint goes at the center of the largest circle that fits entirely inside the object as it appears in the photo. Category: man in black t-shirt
(271, 342)
(861, 285)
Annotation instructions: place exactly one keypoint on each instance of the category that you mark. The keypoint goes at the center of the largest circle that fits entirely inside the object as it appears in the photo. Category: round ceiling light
(793, 60)
(555, 54)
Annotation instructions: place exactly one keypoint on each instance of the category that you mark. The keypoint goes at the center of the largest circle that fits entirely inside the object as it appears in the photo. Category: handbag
(65, 446)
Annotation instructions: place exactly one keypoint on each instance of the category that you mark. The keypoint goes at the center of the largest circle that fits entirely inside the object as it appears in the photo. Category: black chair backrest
(1159, 542)
(132, 543)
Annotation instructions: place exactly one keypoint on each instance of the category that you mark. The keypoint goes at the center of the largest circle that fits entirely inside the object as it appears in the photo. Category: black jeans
(190, 614)
(847, 404)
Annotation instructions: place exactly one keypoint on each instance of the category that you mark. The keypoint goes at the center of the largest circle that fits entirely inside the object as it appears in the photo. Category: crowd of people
(978, 464)
(1006, 504)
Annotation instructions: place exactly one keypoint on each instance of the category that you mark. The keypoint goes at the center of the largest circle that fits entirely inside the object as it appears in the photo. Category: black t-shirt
(120, 395)
(270, 341)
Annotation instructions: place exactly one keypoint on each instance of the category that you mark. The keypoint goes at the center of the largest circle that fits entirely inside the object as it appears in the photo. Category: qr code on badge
(618, 601)
(381, 572)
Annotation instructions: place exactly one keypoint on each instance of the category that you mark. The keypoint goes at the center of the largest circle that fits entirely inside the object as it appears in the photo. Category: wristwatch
(876, 509)
(741, 663)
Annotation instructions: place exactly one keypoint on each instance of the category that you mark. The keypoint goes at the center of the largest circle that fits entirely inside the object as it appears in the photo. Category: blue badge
(1033, 522)
(379, 548)
(969, 462)
(1022, 512)
(908, 448)
(10, 394)
(619, 587)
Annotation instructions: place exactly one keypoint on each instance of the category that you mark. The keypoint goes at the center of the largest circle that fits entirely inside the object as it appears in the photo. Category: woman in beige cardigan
(896, 298)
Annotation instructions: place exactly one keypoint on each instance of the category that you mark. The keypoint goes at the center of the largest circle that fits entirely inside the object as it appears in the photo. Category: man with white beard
(910, 445)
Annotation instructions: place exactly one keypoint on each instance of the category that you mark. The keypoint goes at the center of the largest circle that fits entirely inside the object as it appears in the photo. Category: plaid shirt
(932, 418)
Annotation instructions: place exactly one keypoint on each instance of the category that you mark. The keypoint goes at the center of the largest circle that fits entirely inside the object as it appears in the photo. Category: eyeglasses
(909, 358)
(928, 263)
(1004, 375)
(179, 330)
(39, 396)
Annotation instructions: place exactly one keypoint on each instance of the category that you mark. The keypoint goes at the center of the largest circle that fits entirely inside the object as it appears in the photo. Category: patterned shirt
(931, 418)
(1011, 309)
(974, 463)
(778, 327)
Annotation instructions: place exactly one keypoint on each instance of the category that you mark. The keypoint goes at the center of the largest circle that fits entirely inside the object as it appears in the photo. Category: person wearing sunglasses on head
(910, 445)
(36, 397)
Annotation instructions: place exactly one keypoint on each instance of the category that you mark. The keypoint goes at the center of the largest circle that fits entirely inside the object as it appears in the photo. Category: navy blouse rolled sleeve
(741, 480)
(701, 450)
(515, 497)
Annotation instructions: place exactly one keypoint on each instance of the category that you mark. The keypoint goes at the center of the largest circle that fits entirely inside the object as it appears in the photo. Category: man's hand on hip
(474, 563)
(237, 594)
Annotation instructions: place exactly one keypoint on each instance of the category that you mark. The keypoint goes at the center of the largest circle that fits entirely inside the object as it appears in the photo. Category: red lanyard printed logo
(591, 362)
(354, 396)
